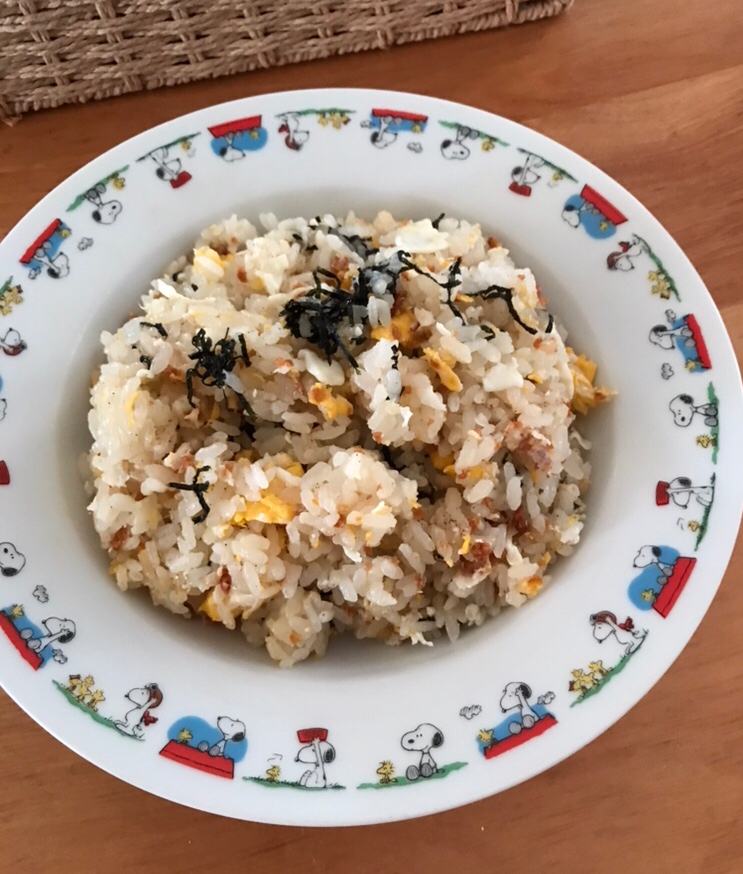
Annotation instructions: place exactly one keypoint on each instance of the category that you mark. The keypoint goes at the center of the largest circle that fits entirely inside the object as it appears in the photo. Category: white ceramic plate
(79, 656)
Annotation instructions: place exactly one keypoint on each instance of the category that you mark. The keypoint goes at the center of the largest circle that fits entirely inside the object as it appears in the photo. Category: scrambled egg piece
(129, 407)
(270, 509)
(586, 395)
(531, 586)
(208, 263)
(209, 608)
(465, 547)
(400, 329)
(443, 369)
(442, 462)
(332, 406)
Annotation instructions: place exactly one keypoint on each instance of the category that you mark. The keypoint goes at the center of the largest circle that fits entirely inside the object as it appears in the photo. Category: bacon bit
(377, 437)
(220, 248)
(536, 451)
(540, 297)
(419, 513)
(283, 365)
(420, 582)
(475, 521)
(368, 551)
(173, 374)
(518, 519)
(338, 264)
(493, 243)
(184, 462)
(241, 274)
(537, 342)
(294, 639)
(479, 558)
(120, 537)
(224, 580)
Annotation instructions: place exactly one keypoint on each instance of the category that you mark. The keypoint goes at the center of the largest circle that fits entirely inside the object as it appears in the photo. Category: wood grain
(652, 92)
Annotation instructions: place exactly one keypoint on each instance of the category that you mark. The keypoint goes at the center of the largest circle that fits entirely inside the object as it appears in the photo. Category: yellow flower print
(64, 233)
(273, 773)
(484, 736)
(705, 441)
(693, 525)
(118, 182)
(557, 176)
(184, 736)
(648, 595)
(322, 119)
(597, 668)
(254, 134)
(603, 225)
(17, 611)
(691, 364)
(186, 145)
(487, 145)
(416, 128)
(10, 298)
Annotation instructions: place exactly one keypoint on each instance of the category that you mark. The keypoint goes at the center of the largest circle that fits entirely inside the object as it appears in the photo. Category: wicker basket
(61, 51)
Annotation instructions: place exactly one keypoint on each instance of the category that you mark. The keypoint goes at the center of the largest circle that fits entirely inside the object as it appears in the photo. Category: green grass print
(705, 518)
(94, 715)
(549, 164)
(399, 782)
(617, 669)
(714, 432)
(288, 784)
(453, 125)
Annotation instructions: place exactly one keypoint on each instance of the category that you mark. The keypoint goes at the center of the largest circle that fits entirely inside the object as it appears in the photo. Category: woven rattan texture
(61, 51)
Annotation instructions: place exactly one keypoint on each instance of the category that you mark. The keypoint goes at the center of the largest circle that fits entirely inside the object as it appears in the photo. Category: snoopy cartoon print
(624, 641)
(37, 645)
(45, 253)
(387, 124)
(531, 169)
(295, 136)
(106, 207)
(459, 148)
(697, 498)
(12, 560)
(422, 740)
(12, 343)
(145, 699)
(197, 744)
(526, 718)
(685, 336)
(606, 626)
(168, 166)
(589, 210)
(232, 140)
(317, 753)
(664, 573)
(685, 410)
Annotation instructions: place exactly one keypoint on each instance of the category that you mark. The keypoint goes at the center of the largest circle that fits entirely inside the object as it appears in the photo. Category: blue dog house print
(594, 213)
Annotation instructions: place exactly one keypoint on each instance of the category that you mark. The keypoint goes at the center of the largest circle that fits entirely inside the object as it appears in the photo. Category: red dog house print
(674, 586)
(499, 747)
(201, 760)
(4, 474)
(14, 636)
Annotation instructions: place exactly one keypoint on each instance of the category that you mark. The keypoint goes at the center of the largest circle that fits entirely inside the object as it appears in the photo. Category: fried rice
(340, 425)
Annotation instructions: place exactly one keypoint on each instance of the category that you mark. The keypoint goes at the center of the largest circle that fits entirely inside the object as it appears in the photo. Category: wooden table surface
(652, 92)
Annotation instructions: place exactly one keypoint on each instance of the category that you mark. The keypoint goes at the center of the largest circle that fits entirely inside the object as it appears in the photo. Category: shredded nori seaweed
(157, 326)
(437, 221)
(215, 361)
(198, 488)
